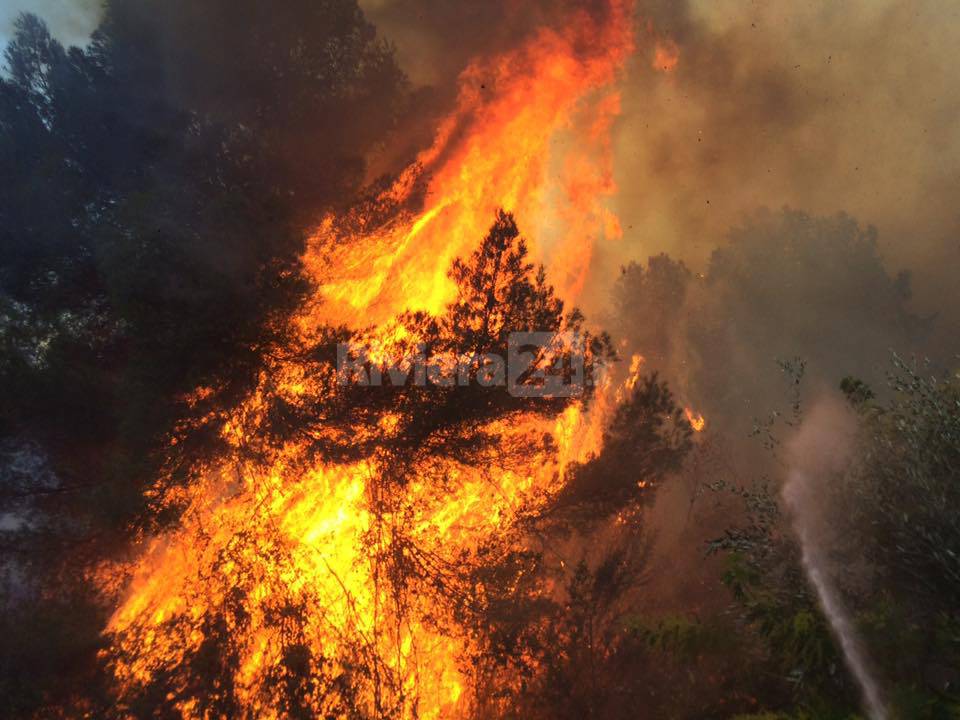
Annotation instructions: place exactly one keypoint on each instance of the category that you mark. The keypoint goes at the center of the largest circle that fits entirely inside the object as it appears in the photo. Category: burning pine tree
(329, 560)
(321, 549)
(297, 585)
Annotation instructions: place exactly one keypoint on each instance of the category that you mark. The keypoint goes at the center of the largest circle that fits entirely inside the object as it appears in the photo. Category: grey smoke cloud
(435, 39)
(821, 106)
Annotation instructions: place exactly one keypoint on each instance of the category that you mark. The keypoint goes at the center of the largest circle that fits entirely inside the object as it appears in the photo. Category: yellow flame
(268, 536)
(697, 421)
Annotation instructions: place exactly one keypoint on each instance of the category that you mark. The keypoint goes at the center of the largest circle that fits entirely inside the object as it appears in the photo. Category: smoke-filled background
(822, 107)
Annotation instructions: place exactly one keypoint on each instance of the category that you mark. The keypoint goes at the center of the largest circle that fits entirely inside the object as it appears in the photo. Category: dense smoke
(435, 39)
(820, 107)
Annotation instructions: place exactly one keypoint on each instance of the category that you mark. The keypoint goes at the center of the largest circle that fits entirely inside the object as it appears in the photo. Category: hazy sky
(71, 20)
(822, 106)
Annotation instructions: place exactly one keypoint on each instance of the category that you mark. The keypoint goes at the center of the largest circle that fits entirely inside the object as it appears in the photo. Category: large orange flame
(530, 133)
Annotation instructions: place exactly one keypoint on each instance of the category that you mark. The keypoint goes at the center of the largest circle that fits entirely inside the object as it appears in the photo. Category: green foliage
(905, 489)
(898, 505)
(895, 508)
(764, 574)
(858, 393)
(819, 714)
(780, 607)
(683, 638)
(46, 651)
(155, 199)
(918, 703)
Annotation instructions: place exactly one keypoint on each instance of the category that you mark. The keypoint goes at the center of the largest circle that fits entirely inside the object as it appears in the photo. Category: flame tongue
(697, 421)
(530, 134)
(261, 543)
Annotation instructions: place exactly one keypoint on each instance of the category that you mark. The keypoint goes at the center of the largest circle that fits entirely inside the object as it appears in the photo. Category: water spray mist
(818, 451)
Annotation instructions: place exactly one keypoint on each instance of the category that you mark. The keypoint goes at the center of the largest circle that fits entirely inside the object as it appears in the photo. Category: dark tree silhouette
(155, 192)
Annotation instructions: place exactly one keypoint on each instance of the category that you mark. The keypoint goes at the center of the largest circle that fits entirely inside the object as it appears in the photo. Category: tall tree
(156, 191)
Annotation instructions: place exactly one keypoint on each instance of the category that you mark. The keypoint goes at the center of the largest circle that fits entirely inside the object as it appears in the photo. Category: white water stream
(818, 454)
(802, 501)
